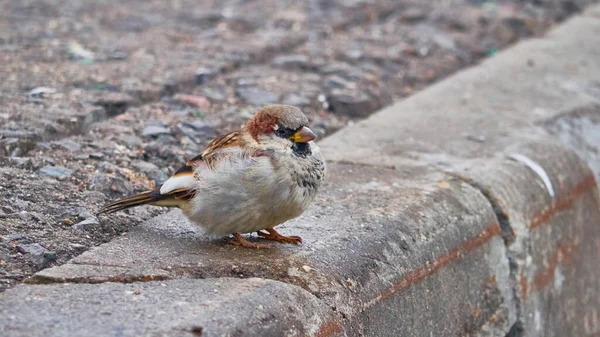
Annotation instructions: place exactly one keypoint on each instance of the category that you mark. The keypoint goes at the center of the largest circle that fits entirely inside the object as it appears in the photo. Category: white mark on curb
(559, 279)
(535, 167)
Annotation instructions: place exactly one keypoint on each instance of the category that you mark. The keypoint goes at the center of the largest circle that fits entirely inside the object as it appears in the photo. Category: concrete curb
(551, 235)
(477, 218)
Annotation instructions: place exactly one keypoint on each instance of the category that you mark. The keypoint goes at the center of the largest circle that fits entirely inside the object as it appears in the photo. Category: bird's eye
(281, 131)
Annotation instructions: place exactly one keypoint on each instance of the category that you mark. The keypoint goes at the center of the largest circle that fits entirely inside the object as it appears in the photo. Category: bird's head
(281, 127)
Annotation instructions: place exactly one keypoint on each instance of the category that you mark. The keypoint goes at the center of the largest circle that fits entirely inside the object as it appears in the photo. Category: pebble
(38, 94)
(216, 94)
(68, 145)
(197, 101)
(15, 147)
(199, 126)
(20, 162)
(84, 213)
(203, 75)
(256, 96)
(96, 155)
(78, 53)
(56, 171)
(37, 253)
(87, 224)
(413, 15)
(14, 237)
(357, 104)
(335, 81)
(155, 130)
(151, 171)
(291, 61)
(132, 141)
(295, 99)
(20, 134)
(477, 139)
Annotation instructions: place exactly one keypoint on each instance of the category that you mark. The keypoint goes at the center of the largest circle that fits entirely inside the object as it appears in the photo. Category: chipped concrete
(554, 238)
(212, 307)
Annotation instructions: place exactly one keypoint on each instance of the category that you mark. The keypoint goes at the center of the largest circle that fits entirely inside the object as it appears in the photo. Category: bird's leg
(273, 235)
(239, 240)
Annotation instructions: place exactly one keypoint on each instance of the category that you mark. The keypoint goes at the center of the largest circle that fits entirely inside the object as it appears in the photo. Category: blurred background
(102, 99)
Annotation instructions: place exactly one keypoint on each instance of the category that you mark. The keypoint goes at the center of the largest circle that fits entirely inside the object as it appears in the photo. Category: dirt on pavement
(102, 100)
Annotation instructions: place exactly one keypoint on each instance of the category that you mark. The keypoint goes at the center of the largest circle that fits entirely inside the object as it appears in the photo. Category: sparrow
(249, 180)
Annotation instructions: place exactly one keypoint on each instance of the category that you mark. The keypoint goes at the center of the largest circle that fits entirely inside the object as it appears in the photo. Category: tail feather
(175, 198)
(137, 200)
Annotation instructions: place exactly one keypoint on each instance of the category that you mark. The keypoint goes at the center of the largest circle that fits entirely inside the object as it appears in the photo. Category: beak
(303, 135)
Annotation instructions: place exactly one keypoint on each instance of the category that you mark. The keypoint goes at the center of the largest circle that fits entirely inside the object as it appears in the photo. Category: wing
(184, 179)
(181, 186)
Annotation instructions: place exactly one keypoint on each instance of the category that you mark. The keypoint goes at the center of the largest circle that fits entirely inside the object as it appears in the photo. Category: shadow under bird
(249, 180)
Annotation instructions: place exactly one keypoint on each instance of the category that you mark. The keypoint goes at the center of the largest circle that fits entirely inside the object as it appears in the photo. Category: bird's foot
(273, 235)
(239, 240)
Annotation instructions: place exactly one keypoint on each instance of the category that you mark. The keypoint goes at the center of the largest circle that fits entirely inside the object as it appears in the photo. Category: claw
(273, 235)
(239, 240)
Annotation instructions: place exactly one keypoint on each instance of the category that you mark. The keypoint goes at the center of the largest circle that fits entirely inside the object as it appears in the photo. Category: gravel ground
(102, 100)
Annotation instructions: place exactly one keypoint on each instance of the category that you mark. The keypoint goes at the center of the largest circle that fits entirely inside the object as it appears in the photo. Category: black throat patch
(301, 149)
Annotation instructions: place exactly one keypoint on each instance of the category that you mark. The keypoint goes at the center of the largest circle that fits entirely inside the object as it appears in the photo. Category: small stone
(132, 141)
(87, 224)
(203, 75)
(335, 81)
(15, 147)
(256, 96)
(36, 253)
(19, 134)
(68, 145)
(306, 268)
(49, 255)
(151, 171)
(291, 61)
(295, 99)
(197, 101)
(403, 244)
(84, 213)
(40, 93)
(199, 126)
(56, 171)
(216, 94)
(155, 130)
(28, 216)
(116, 55)
(78, 53)
(444, 184)
(444, 41)
(113, 103)
(357, 104)
(14, 237)
(477, 139)
(107, 167)
(170, 88)
(354, 54)
(20, 162)
(96, 155)
(334, 68)
(413, 15)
